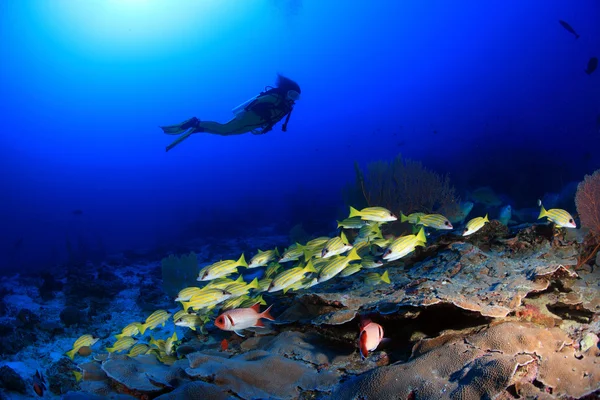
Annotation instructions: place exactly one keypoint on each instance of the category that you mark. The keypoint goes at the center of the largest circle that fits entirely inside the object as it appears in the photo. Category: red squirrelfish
(242, 318)
(371, 335)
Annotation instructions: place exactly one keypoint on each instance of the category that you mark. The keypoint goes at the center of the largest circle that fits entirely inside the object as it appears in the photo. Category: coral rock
(259, 374)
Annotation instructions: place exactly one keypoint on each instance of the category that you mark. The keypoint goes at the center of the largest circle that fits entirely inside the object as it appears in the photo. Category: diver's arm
(287, 119)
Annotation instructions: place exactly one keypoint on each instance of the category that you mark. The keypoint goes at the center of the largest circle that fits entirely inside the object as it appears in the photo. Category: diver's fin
(180, 139)
(180, 128)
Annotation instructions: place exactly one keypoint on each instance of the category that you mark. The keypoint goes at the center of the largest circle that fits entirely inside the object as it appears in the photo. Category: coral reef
(401, 185)
(484, 365)
(496, 315)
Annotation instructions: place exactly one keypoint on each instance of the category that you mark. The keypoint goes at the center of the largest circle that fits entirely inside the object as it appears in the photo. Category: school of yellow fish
(299, 267)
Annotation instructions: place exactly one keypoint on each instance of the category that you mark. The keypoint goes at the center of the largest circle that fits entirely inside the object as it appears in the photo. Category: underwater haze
(492, 93)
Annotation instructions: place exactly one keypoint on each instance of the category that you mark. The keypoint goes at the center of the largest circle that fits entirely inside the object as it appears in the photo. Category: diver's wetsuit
(258, 117)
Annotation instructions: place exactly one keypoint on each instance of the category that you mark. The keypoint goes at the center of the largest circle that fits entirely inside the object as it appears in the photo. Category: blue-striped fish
(188, 293)
(169, 344)
(292, 253)
(336, 265)
(250, 301)
(221, 268)
(411, 218)
(191, 321)
(378, 214)
(207, 299)
(138, 349)
(404, 245)
(369, 262)
(352, 223)
(351, 269)
(475, 224)
(82, 341)
(369, 232)
(287, 278)
(158, 317)
(436, 221)
(263, 285)
(560, 217)
(125, 343)
(374, 278)
(263, 257)
(130, 330)
(238, 289)
(335, 246)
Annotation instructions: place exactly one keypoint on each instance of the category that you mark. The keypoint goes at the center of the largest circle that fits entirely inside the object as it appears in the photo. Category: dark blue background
(492, 92)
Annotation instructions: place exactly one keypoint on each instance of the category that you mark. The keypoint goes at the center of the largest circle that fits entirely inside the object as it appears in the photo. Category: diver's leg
(242, 123)
(180, 128)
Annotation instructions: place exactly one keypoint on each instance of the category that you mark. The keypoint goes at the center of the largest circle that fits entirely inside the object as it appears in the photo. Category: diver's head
(289, 87)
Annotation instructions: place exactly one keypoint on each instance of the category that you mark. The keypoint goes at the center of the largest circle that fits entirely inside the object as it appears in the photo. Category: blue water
(493, 93)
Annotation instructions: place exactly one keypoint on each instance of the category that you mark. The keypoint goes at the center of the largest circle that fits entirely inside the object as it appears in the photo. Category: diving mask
(293, 95)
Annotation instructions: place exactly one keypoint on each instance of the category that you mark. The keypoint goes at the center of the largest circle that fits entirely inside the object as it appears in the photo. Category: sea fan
(587, 200)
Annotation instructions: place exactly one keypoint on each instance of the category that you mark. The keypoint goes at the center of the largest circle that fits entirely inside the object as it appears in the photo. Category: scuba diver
(257, 115)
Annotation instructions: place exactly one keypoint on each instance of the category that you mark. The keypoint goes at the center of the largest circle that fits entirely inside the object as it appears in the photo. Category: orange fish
(371, 335)
(242, 318)
(224, 344)
(39, 383)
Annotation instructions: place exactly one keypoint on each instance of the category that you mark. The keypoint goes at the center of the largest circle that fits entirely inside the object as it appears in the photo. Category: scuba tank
(243, 106)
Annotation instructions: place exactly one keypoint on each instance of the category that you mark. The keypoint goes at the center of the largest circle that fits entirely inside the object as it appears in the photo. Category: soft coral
(587, 200)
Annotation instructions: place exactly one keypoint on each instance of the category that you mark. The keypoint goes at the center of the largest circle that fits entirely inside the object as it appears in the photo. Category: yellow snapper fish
(350, 270)
(404, 245)
(368, 232)
(164, 358)
(238, 289)
(287, 278)
(436, 221)
(187, 293)
(292, 253)
(158, 317)
(234, 302)
(314, 247)
(130, 330)
(411, 218)
(263, 285)
(191, 321)
(208, 298)
(304, 283)
(78, 376)
(82, 341)
(560, 217)
(220, 283)
(272, 269)
(370, 262)
(336, 246)
(381, 244)
(138, 349)
(179, 314)
(125, 343)
(475, 224)
(336, 265)
(263, 257)
(158, 343)
(377, 214)
(169, 344)
(374, 278)
(221, 269)
(250, 301)
(362, 248)
(352, 223)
